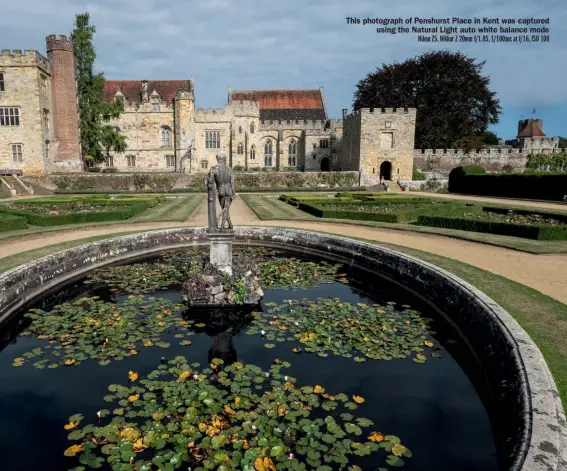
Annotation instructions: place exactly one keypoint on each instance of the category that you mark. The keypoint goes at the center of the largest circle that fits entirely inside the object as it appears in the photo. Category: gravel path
(545, 273)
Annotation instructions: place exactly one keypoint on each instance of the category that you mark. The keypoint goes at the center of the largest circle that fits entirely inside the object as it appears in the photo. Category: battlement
(59, 43)
(485, 152)
(302, 124)
(211, 115)
(334, 123)
(246, 108)
(26, 58)
(184, 94)
(381, 111)
(538, 139)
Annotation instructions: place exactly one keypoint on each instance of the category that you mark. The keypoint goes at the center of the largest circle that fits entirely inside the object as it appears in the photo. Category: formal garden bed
(510, 222)
(535, 225)
(73, 210)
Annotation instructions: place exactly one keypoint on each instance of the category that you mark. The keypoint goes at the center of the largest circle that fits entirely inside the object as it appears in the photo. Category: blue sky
(265, 44)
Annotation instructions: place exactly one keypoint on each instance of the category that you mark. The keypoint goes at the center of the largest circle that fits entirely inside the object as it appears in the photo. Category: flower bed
(54, 213)
(516, 223)
(9, 222)
(383, 211)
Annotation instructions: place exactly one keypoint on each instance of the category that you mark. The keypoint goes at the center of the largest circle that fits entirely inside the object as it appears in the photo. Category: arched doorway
(385, 171)
(325, 164)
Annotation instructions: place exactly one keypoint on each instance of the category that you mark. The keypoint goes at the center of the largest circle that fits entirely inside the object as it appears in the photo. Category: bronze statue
(211, 201)
(226, 189)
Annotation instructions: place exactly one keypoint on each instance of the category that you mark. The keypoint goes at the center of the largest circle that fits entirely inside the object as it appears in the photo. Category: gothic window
(251, 128)
(131, 160)
(212, 140)
(253, 153)
(47, 149)
(17, 152)
(268, 153)
(240, 149)
(239, 129)
(324, 143)
(165, 137)
(9, 116)
(109, 161)
(155, 103)
(170, 160)
(2, 88)
(292, 153)
(204, 164)
(46, 120)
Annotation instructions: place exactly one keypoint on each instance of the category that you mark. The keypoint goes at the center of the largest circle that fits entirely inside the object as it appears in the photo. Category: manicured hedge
(536, 232)
(9, 222)
(403, 215)
(123, 211)
(195, 190)
(540, 186)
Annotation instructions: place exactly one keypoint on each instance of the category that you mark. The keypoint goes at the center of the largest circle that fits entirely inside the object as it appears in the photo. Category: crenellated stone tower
(64, 92)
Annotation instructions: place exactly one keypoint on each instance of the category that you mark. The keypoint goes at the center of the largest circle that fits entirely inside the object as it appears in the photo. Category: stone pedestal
(221, 250)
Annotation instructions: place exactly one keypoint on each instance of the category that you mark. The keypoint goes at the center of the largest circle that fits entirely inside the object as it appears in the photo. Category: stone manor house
(277, 129)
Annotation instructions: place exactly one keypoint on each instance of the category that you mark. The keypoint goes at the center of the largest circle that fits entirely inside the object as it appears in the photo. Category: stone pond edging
(529, 409)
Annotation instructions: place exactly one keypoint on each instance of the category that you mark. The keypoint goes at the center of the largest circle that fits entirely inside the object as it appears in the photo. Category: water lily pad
(199, 423)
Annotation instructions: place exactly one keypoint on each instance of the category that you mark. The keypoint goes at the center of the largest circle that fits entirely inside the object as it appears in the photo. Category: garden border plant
(119, 209)
(536, 231)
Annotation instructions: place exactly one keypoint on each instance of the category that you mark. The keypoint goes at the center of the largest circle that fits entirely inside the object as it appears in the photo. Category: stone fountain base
(215, 287)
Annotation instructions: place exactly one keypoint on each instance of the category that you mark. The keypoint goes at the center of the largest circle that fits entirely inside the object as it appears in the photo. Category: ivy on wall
(548, 162)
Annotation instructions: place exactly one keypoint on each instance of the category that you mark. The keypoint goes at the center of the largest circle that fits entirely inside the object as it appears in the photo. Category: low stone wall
(172, 180)
(525, 408)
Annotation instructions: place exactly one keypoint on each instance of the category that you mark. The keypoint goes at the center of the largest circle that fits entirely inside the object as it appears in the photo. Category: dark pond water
(433, 407)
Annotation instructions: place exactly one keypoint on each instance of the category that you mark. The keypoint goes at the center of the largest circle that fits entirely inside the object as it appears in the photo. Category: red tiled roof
(281, 99)
(532, 129)
(132, 89)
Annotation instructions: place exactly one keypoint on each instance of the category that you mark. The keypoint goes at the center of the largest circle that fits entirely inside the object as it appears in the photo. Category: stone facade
(42, 92)
(25, 97)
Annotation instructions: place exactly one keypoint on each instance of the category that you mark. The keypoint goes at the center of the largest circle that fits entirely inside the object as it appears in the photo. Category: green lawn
(172, 209)
(543, 318)
(271, 208)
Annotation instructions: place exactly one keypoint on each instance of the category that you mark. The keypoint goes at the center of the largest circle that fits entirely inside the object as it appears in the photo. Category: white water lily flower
(291, 456)
(195, 377)
(262, 332)
(267, 375)
(99, 415)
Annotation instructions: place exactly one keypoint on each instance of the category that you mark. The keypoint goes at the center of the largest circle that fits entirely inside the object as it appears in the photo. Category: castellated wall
(303, 124)
(493, 160)
(27, 85)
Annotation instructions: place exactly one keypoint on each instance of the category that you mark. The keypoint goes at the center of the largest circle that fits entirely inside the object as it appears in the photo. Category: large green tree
(452, 98)
(98, 138)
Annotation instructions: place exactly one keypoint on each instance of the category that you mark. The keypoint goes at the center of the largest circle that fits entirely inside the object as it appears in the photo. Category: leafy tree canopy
(98, 138)
(452, 98)
(562, 142)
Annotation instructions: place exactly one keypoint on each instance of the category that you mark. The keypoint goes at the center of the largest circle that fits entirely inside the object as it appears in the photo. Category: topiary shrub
(458, 172)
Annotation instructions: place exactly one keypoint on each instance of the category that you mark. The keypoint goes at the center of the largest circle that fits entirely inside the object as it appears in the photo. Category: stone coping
(526, 410)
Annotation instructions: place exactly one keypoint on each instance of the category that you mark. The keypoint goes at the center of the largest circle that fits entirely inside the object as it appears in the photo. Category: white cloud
(291, 44)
